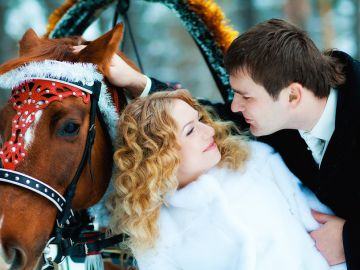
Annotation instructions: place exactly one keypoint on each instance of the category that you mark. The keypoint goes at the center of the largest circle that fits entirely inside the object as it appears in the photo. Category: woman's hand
(123, 75)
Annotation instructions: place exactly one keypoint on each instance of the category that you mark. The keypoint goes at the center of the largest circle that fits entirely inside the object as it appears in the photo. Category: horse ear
(101, 50)
(29, 40)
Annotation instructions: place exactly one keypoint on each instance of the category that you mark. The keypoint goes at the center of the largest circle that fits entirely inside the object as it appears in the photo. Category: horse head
(44, 130)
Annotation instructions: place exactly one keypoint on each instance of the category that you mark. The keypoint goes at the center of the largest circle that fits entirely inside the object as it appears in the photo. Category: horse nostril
(14, 256)
(18, 261)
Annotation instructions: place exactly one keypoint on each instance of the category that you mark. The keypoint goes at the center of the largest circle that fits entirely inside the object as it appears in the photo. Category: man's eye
(190, 131)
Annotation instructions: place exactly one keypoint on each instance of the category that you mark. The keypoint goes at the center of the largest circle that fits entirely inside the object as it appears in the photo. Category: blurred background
(168, 52)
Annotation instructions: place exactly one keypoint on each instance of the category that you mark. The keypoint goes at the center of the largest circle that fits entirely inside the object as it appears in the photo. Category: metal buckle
(51, 255)
(86, 249)
(61, 226)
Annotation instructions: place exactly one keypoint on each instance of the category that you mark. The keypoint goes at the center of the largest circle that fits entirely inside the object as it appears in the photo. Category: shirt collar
(325, 127)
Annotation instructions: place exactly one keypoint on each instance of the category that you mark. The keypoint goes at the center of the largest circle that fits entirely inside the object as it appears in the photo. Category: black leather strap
(32, 184)
(70, 193)
(85, 248)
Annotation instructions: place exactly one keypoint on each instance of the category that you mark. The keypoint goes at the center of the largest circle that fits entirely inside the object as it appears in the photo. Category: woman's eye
(190, 131)
(69, 129)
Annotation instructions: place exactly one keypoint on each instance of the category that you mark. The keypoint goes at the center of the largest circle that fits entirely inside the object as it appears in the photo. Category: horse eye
(69, 129)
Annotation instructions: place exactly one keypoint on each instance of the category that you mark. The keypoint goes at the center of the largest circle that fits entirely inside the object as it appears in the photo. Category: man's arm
(338, 240)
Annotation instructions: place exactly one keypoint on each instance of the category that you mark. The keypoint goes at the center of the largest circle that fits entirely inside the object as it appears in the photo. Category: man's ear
(294, 93)
(292, 96)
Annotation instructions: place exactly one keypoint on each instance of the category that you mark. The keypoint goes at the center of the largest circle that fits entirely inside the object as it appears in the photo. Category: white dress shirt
(318, 138)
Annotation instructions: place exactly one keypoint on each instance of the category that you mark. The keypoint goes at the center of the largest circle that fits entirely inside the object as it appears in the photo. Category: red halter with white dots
(27, 99)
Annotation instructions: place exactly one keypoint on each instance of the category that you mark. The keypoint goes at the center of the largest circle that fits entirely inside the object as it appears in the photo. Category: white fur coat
(258, 219)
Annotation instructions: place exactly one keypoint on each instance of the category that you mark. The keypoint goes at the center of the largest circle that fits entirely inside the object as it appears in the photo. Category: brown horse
(47, 141)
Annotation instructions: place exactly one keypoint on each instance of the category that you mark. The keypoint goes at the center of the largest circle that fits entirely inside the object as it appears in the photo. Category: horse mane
(47, 49)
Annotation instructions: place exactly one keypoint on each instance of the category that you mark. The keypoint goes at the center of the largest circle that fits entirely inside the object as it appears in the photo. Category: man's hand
(123, 75)
(328, 238)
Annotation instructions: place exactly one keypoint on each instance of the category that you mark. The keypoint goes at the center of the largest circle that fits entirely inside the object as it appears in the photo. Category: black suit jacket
(337, 181)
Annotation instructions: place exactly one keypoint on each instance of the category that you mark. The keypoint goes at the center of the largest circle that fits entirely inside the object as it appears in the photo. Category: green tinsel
(211, 51)
(79, 17)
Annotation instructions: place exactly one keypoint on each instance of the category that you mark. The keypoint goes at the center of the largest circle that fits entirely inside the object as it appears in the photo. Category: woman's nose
(237, 104)
(208, 131)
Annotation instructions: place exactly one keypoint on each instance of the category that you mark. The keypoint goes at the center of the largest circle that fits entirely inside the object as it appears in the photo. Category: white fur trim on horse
(99, 210)
(94, 262)
(108, 110)
(76, 72)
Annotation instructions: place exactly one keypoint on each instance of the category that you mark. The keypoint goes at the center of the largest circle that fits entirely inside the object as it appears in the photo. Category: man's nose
(237, 104)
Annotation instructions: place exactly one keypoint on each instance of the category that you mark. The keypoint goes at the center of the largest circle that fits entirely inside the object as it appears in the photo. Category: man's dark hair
(276, 53)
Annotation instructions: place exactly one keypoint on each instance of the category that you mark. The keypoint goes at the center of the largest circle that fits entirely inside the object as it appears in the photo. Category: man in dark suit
(306, 105)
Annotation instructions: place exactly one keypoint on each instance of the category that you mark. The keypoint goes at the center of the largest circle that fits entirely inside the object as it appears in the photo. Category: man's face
(264, 114)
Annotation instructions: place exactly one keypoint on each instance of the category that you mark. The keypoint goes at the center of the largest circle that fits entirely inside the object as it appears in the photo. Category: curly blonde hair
(147, 159)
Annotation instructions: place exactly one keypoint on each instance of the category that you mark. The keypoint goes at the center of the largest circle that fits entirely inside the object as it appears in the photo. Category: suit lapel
(299, 160)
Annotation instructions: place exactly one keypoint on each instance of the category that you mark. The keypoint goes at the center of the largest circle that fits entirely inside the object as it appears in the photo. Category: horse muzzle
(12, 257)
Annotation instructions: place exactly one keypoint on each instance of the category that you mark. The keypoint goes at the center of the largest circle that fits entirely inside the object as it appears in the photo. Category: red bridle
(27, 99)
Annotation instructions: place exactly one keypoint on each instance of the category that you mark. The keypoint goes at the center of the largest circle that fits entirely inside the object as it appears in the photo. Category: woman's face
(198, 152)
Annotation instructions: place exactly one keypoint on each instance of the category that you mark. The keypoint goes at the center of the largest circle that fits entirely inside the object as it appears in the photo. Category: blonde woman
(192, 195)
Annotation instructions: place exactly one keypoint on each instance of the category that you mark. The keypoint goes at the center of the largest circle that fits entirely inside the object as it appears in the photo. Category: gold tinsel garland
(214, 19)
(55, 17)
(210, 13)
